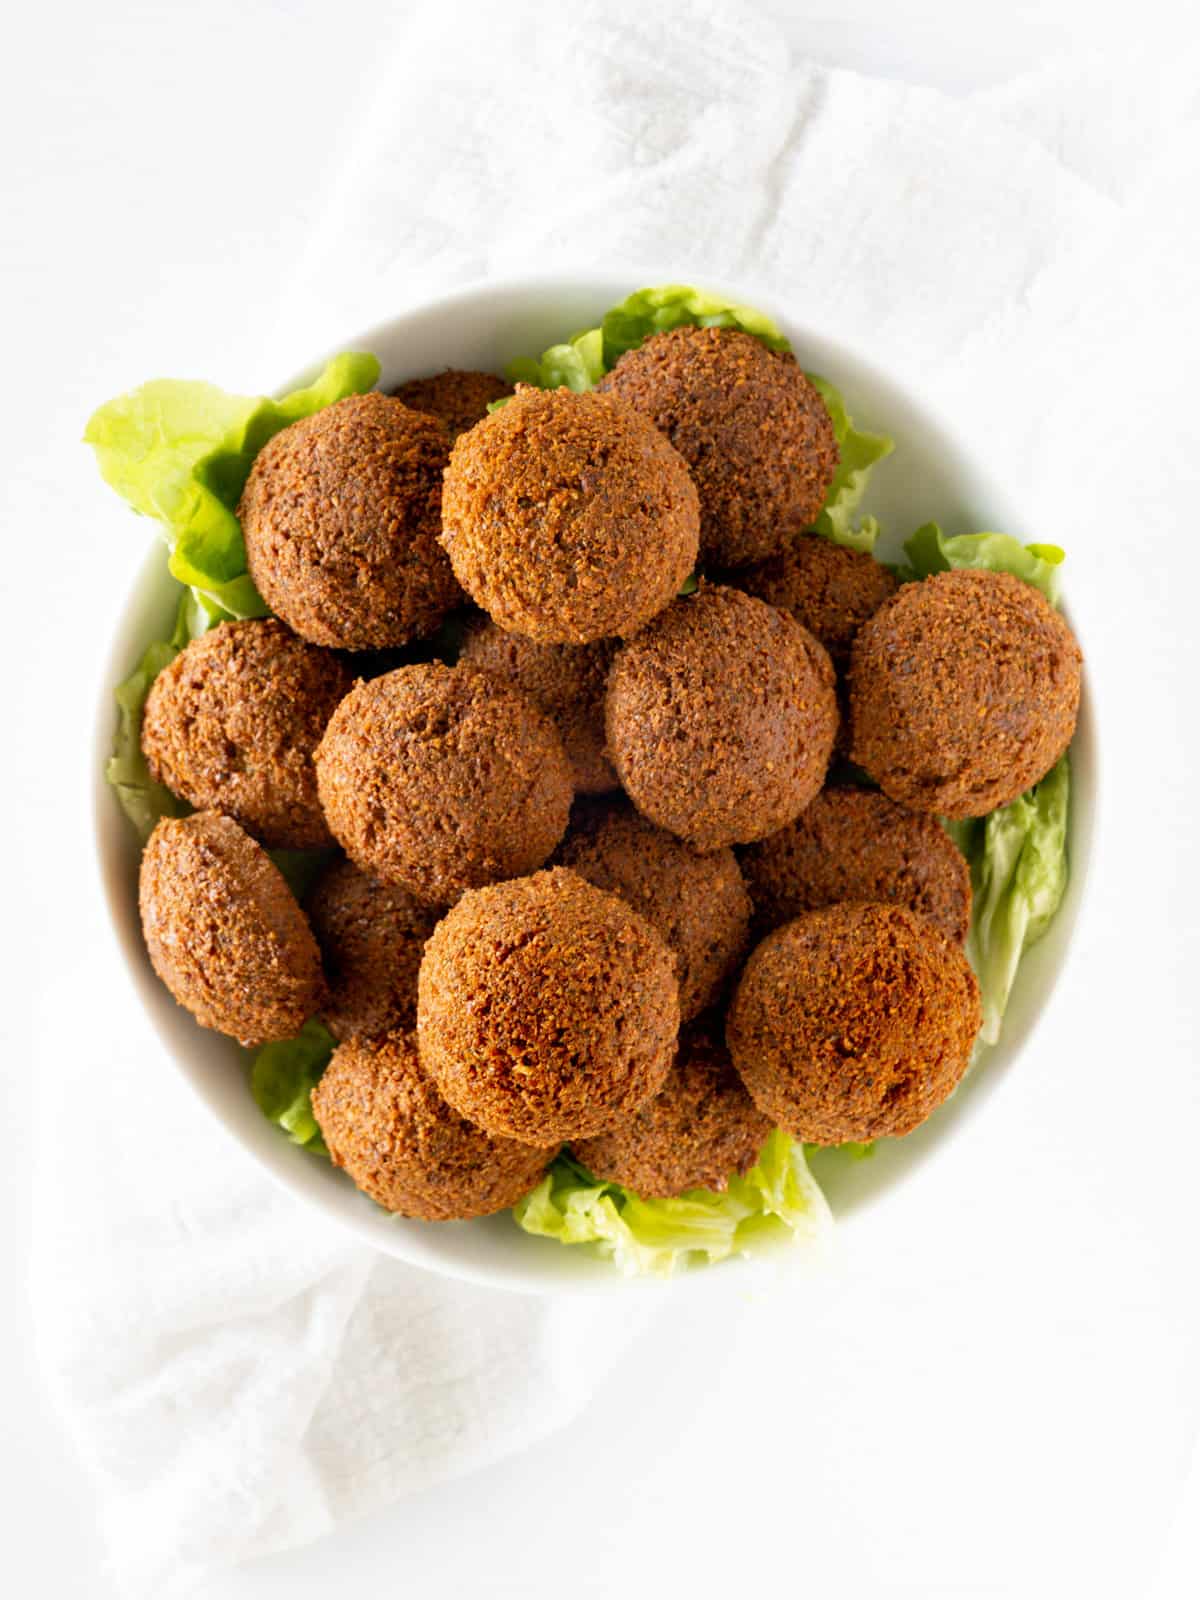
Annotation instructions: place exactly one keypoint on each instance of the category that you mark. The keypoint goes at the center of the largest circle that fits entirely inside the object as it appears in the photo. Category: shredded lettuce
(775, 1202)
(1018, 857)
(583, 360)
(929, 551)
(181, 452)
(859, 452)
(282, 1078)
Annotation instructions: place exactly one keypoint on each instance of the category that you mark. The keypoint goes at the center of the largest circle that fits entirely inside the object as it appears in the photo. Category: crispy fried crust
(459, 399)
(698, 903)
(721, 717)
(566, 681)
(855, 844)
(964, 690)
(829, 590)
(753, 430)
(853, 1023)
(568, 517)
(371, 936)
(547, 1010)
(231, 725)
(341, 514)
(388, 1127)
(224, 932)
(700, 1130)
(441, 779)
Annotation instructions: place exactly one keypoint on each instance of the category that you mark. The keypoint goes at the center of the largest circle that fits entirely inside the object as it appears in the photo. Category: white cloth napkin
(240, 1376)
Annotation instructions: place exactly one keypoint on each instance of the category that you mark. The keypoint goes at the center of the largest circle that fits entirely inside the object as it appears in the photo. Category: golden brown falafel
(856, 844)
(231, 725)
(442, 779)
(457, 398)
(371, 936)
(721, 717)
(829, 590)
(698, 903)
(566, 681)
(701, 1129)
(341, 514)
(387, 1126)
(568, 517)
(753, 430)
(853, 1023)
(964, 690)
(547, 1009)
(224, 933)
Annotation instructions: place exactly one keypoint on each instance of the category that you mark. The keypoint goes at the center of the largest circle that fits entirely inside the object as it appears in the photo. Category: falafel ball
(386, 1125)
(698, 903)
(566, 681)
(701, 1129)
(856, 844)
(371, 936)
(457, 398)
(341, 514)
(568, 517)
(442, 779)
(753, 430)
(853, 1022)
(721, 717)
(964, 691)
(224, 932)
(547, 1009)
(829, 590)
(231, 725)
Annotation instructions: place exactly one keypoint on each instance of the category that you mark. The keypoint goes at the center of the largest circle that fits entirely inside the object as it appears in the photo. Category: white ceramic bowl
(931, 476)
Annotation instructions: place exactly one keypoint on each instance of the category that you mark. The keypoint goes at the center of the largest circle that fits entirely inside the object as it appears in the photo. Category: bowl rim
(282, 1166)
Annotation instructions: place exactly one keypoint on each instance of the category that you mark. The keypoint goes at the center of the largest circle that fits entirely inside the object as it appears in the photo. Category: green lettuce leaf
(853, 1150)
(775, 1202)
(282, 1078)
(859, 452)
(929, 551)
(181, 452)
(583, 360)
(143, 801)
(1019, 870)
(578, 364)
(675, 305)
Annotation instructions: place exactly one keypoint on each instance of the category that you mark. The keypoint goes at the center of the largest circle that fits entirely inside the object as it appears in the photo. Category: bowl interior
(930, 476)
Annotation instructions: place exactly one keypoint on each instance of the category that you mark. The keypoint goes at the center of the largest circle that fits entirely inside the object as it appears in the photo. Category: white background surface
(984, 1399)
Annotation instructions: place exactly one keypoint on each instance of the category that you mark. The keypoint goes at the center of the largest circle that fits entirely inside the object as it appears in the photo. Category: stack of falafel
(594, 887)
